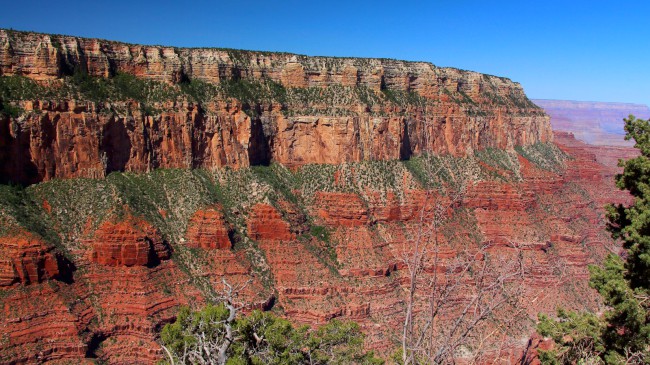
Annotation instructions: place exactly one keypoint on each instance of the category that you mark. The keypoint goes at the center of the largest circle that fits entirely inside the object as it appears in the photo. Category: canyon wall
(311, 197)
(338, 110)
(93, 268)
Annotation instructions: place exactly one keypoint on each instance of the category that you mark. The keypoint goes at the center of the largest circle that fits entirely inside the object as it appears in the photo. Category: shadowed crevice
(405, 151)
(94, 344)
(116, 145)
(259, 151)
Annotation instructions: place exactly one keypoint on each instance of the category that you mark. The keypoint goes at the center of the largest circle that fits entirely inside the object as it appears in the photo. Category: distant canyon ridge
(597, 123)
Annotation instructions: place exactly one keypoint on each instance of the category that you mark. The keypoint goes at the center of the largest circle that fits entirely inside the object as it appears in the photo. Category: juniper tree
(623, 334)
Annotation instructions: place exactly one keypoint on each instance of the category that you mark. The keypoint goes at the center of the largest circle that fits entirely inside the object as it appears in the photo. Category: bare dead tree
(479, 287)
(211, 337)
(450, 303)
(414, 254)
(634, 358)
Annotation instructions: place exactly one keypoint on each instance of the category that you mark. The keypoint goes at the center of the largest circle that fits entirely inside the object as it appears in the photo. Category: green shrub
(577, 336)
(19, 88)
(198, 90)
(263, 338)
(546, 156)
(10, 111)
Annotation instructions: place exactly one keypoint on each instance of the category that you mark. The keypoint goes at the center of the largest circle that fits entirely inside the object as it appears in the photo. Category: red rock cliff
(345, 264)
(126, 284)
(364, 109)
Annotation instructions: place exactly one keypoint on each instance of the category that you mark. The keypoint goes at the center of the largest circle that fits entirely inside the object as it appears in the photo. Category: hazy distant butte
(597, 123)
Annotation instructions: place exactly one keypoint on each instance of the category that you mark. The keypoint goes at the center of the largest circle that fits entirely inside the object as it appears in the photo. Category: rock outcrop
(26, 259)
(317, 243)
(130, 242)
(265, 223)
(207, 229)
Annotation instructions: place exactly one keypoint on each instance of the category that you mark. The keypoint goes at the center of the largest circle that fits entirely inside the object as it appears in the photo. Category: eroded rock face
(48, 57)
(41, 325)
(341, 209)
(26, 259)
(266, 223)
(460, 112)
(132, 242)
(208, 230)
(71, 139)
(349, 268)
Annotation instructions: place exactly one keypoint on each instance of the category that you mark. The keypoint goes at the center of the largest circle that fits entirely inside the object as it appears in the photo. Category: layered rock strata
(26, 259)
(94, 268)
(328, 245)
(337, 110)
(208, 229)
(131, 242)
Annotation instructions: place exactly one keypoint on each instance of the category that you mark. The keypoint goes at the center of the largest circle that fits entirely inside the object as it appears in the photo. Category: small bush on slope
(261, 338)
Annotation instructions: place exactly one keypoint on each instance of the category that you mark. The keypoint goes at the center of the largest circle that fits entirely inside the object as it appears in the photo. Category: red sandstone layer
(464, 111)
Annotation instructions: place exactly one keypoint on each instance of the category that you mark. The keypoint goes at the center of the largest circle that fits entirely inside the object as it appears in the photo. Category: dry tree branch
(464, 296)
